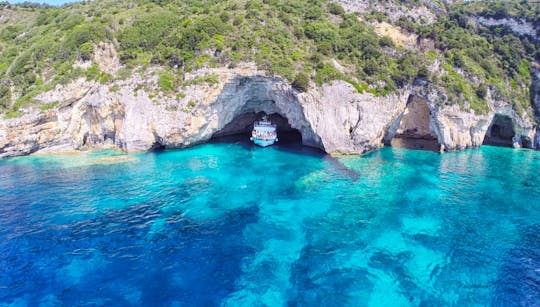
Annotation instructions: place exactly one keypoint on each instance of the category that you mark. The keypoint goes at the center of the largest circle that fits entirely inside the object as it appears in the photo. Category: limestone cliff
(536, 101)
(333, 117)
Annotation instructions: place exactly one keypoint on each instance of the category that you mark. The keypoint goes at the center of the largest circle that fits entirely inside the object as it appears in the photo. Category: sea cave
(501, 131)
(248, 99)
(414, 130)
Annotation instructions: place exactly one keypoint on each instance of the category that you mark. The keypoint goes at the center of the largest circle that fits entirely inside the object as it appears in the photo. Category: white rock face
(536, 101)
(349, 122)
(457, 130)
(418, 12)
(520, 27)
(106, 57)
(333, 117)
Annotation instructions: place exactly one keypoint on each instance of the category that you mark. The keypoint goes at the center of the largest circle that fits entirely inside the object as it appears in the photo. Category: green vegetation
(114, 88)
(301, 82)
(166, 81)
(210, 79)
(49, 106)
(300, 40)
(495, 58)
(191, 104)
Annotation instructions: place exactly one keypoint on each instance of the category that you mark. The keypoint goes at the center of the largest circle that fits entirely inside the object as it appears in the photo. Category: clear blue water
(226, 224)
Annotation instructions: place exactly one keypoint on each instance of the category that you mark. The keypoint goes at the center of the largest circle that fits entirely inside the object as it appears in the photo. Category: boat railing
(265, 135)
(265, 124)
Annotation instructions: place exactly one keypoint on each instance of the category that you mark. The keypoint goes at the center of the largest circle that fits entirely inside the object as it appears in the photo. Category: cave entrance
(239, 129)
(246, 99)
(501, 131)
(413, 130)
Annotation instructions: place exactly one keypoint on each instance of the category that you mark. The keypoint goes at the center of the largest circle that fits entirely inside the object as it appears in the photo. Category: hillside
(41, 47)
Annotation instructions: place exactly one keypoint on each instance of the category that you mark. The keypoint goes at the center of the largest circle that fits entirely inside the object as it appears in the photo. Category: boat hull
(263, 142)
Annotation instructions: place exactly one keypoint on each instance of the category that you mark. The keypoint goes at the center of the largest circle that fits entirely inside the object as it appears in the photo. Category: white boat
(264, 133)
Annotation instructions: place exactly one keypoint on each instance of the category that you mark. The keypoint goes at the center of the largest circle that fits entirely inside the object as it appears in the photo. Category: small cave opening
(413, 131)
(239, 130)
(501, 131)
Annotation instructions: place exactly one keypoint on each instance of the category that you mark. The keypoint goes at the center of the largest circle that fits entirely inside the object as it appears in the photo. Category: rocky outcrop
(535, 94)
(428, 115)
(248, 95)
(349, 122)
(90, 115)
(518, 26)
(106, 57)
(423, 13)
(458, 130)
(334, 117)
(134, 115)
(28, 134)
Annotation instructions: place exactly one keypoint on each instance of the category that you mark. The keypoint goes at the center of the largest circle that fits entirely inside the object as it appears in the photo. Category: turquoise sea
(235, 225)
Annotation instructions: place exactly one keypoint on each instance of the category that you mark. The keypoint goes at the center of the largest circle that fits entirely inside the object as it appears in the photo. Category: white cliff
(133, 115)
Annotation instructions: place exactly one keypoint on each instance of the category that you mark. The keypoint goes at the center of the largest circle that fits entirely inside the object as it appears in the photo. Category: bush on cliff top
(301, 82)
(39, 44)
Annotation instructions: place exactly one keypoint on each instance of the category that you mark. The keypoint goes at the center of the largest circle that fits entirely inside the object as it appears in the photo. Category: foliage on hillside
(291, 38)
(478, 57)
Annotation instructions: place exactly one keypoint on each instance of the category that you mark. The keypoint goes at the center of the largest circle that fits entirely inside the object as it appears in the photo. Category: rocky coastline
(334, 117)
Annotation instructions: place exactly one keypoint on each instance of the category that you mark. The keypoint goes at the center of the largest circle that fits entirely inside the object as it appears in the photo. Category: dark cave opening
(239, 130)
(500, 132)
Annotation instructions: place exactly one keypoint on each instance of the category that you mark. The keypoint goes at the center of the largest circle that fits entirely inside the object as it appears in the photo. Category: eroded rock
(106, 57)
(333, 117)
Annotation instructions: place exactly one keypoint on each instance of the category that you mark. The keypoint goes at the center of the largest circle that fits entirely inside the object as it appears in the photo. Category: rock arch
(242, 101)
(414, 128)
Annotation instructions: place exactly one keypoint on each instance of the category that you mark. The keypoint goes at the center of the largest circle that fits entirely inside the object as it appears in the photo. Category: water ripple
(225, 224)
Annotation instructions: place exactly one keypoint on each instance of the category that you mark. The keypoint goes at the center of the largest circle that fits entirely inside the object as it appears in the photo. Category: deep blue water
(226, 224)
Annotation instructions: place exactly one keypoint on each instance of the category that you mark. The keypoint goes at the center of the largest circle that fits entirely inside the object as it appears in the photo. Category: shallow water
(229, 224)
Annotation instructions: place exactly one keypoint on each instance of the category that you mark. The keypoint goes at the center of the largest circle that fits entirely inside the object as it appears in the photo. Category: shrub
(481, 91)
(423, 72)
(210, 79)
(10, 32)
(280, 37)
(114, 89)
(124, 73)
(21, 65)
(166, 81)
(148, 31)
(5, 96)
(327, 73)
(336, 9)
(84, 33)
(386, 41)
(301, 82)
(48, 106)
(360, 88)
(191, 104)
(86, 51)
